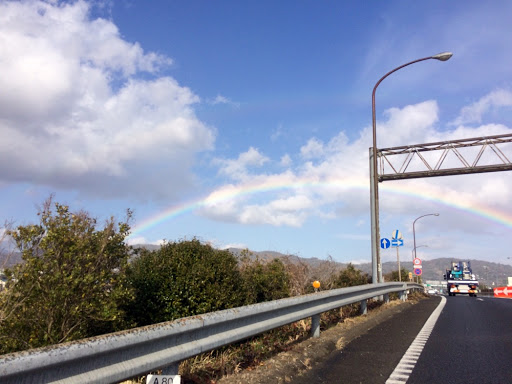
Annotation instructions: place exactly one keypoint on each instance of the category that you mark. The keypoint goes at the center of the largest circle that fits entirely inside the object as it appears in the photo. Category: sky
(248, 123)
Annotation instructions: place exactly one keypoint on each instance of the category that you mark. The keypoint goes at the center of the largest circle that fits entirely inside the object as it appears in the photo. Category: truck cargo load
(460, 279)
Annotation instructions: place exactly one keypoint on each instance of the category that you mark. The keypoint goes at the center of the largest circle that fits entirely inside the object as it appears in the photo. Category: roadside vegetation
(80, 279)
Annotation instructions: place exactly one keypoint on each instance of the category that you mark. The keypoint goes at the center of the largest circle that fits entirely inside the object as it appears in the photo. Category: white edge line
(413, 352)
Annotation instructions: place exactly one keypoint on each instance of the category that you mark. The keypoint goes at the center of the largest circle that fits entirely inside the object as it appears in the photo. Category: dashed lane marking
(404, 368)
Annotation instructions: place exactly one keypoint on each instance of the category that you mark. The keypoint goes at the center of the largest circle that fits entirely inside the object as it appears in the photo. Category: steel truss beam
(407, 153)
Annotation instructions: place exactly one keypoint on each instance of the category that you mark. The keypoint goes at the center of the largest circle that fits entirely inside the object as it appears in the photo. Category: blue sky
(248, 123)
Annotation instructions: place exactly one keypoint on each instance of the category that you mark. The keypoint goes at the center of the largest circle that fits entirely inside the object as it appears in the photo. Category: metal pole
(374, 223)
(414, 236)
(398, 261)
(374, 178)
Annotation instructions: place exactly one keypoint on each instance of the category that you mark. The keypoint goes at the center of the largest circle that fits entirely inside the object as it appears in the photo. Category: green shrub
(265, 281)
(349, 277)
(69, 284)
(393, 275)
(183, 279)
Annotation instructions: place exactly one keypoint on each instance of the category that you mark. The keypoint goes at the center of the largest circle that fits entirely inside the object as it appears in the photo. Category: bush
(183, 279)
(393, 275)
(350, 277)
(69, 284)
(265, 281)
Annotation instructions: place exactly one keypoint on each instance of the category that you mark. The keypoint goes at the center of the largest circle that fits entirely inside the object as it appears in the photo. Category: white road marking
(409, 359)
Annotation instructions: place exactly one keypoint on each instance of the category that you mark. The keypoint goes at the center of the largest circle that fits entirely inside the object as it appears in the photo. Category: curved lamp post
(413, 253)
(414, 231)
(374, 178)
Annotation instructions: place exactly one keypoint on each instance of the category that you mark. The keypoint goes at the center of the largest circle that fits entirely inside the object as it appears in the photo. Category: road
(471, 342)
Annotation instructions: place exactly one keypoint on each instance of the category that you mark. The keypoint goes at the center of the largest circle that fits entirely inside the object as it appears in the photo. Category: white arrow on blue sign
(397, 243)
(385, 243)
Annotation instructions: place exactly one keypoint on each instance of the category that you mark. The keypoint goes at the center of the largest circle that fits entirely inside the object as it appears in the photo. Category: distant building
(436, 285)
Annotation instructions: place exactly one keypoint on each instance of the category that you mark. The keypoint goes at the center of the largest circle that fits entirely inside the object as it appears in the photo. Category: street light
(414, 231)
(413, 253)
(374, 178)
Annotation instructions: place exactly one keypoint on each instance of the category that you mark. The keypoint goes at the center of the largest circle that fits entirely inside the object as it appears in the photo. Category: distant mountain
(488, 273)
(269, 255)
(9, 259)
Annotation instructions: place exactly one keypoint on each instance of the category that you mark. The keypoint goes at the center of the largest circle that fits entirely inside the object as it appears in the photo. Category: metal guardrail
(122, 355)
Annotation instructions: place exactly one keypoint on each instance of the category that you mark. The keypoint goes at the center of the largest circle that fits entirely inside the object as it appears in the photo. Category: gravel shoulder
(289, 365)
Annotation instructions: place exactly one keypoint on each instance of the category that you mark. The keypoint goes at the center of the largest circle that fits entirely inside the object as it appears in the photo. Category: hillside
(487, 272)
(9, 259)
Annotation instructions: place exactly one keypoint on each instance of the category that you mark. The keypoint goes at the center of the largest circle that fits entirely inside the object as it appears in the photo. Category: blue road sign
(385, 243)
(417, 271)
(397, 243)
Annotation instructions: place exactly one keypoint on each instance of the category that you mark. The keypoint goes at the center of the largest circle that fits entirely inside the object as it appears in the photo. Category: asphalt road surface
(470, 343)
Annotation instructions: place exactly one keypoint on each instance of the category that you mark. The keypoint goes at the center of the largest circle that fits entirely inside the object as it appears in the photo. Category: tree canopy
(70, 283)
(183, 279)
(349, 277)
(265, 281)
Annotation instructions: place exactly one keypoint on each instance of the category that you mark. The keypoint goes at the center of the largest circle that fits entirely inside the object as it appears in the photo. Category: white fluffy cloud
(74, 112)
(313, 149)
(238, 169)
(473, 113)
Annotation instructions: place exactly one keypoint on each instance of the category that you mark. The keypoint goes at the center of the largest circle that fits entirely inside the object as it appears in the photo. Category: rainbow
(230, 192)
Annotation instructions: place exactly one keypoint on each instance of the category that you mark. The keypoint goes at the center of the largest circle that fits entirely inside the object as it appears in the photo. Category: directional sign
(503, 292)
(417, 261)
(396, 234)
(385, 243)
(397, 243)
(417, 271)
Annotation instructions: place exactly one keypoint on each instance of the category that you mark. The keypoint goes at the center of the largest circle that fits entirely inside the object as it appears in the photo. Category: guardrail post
(364, 307)
(315, 325)
(403, 295)
(386, 298)
(171, 369)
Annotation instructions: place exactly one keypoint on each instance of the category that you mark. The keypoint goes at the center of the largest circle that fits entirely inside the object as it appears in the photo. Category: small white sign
(397, 235)
(163, 379)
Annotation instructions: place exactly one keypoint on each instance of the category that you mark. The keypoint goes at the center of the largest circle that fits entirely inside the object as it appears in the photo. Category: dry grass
(209, 367)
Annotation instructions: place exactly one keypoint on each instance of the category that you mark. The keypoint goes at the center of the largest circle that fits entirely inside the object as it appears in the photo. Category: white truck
(460, 279)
